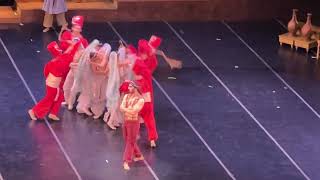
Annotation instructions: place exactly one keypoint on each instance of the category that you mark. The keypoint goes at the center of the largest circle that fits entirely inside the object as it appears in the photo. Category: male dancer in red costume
(143, 78)
(77, 24)
(131, 104)
(145, 64)
(147, 51)
(55, 72)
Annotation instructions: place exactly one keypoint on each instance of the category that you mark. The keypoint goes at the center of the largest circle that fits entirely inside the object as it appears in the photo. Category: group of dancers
(119, 81)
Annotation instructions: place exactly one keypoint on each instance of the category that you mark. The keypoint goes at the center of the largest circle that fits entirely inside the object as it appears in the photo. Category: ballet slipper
(153, 144)
(70, 107)
(141, 158)
(54, 117)
(111, 126)
(46, 29)
(96, 116)
(126, 166)
(32, 115)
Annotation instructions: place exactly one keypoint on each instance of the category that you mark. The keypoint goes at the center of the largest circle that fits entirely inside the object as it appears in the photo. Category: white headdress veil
(131, 57)
(113, 85)
(83, 66)
(123, 71)
(107, 48)
(112, 92)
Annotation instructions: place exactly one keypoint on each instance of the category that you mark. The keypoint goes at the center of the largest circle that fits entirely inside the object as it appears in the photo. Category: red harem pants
(130, 132)
(50, 103)
(147, 115)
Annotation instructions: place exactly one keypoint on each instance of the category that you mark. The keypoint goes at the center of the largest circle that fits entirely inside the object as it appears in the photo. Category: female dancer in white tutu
(113, 116)
(82, 78)
(100, 79)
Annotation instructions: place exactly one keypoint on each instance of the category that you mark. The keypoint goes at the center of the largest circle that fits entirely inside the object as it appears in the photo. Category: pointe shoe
(96, 116)
(87, 112)
(64, 103)
(46, 29)
(153, 144)
(84, 111)
(70, 107)
(53, 117)
(141, 158)
(106, 116)
(111, 126)
(126, 166)
(32, 115)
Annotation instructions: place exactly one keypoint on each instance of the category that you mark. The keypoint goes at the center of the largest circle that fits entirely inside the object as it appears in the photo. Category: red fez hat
(155, 41)
(124, 87)
(78, 21)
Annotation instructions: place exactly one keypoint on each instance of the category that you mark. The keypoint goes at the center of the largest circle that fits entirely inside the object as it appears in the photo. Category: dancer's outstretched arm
(174, 64)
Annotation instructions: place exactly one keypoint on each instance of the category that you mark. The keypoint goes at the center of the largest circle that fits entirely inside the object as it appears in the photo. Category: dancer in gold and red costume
(55, 72)
(144, 63)
(131, 104)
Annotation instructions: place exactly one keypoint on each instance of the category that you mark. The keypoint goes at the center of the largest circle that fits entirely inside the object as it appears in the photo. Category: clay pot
(293, 23)
(306, 30)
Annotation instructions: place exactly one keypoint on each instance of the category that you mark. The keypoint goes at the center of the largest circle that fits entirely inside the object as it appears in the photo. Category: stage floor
(241, 108)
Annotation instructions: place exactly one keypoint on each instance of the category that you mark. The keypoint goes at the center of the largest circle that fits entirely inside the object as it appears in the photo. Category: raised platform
(125, 10)
(31, 11)
(7, 15)
(99, 5)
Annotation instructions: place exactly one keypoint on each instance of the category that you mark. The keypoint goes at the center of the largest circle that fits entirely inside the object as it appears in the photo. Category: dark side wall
(237, 10)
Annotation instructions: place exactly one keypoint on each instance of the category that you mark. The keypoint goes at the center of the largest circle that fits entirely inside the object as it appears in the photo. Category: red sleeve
(63, 65)
(55, 69)
(51, 67)
(152, 63)
(74, 50)
(144, 85)
(84, 42)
